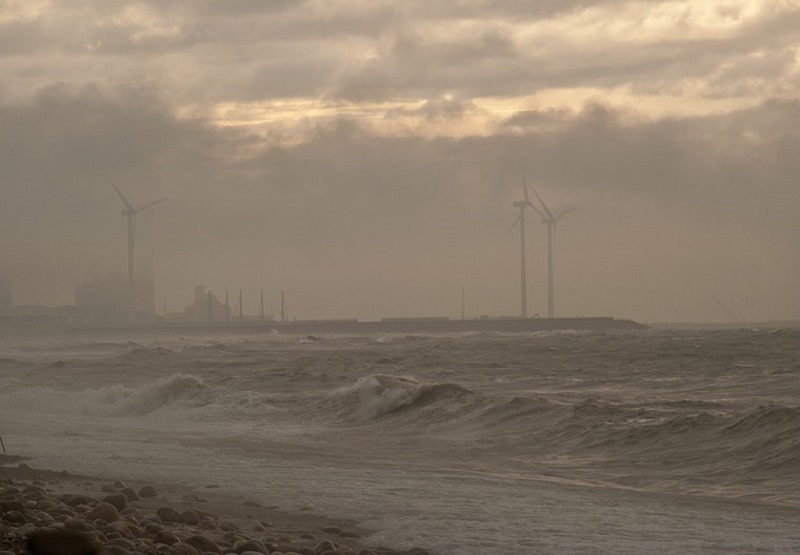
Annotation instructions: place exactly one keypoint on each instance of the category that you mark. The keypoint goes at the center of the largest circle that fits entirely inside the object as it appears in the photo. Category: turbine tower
(130, 212)
(522, 205)
(550, 219)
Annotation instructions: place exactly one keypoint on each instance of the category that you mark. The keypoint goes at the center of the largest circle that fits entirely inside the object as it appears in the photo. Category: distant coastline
(404, 325)
(724, 325)
(345, 327)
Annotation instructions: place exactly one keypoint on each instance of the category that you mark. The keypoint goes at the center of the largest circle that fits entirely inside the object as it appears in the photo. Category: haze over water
(593, 442)
(364, 156)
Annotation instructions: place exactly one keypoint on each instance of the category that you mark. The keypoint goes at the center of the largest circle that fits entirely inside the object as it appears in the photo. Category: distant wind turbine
(550, 219)
(130, 212)
(522, 205)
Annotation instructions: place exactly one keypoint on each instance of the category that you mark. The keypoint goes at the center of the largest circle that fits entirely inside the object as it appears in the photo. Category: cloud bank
(364, 156)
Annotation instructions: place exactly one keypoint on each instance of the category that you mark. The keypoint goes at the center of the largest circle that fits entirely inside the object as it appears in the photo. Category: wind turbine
(130, 212)
(550, 219)
(523, 205)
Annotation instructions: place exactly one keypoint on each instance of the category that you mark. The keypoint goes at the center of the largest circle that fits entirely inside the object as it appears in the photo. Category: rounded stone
(147, 492)
(130, 494)
(45, 519)
(167, 514)
(182, 549)
(129, 512)
(249, 545)
(166, 537)
(33, 488)
(14, 517)
(228, 526)
(117, 499)
(77, 500)
(47, 504)
(324, 546)
(97, 536)
(25, 529)
(189, 517)
(104, 511)
(202, 544)
(120, 528)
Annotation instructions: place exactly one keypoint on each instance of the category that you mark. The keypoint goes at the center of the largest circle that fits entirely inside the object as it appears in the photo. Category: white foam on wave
(151, 396)
(373, 396)
(116, 400)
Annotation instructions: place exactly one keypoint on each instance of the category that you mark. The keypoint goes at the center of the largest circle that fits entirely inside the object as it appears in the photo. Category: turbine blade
(150, 204)
(525, 187)
(531, 205)
(121, 196)
(544, 206)
(514, 224)
(566, 211)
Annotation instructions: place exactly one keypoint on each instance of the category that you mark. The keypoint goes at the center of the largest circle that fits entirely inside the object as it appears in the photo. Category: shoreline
(122, 518)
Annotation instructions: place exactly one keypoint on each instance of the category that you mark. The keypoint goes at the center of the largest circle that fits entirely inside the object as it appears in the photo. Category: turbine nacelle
(129, 209)
(130, 213)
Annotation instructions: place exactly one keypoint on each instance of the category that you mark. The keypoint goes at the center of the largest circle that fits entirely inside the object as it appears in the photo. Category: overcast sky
(363, 155)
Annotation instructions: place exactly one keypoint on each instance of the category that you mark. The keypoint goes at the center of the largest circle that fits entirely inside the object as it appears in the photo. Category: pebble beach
(46, 511)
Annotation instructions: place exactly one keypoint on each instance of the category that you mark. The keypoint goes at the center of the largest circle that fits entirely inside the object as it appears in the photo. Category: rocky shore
(59, 513)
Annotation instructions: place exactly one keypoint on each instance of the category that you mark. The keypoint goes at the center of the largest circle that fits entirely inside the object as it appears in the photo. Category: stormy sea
(656, 441)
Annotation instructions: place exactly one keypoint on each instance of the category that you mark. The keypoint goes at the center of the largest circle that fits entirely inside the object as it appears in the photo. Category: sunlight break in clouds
(574, 38)
(347, 150)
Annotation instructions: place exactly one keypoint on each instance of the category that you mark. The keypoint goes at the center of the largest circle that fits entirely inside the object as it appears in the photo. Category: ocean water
(595, 442)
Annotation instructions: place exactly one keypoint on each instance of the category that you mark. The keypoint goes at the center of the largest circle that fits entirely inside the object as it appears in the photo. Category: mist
(395, 189)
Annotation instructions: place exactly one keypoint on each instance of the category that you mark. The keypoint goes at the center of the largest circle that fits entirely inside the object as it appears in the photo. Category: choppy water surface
(633, 442)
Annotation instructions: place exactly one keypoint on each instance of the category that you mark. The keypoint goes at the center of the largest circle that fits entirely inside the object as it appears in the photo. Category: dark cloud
(675, 212)
(364, 51)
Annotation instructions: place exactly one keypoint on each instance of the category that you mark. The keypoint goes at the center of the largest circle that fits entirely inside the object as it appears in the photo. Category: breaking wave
(124, 401)
(117, 400)
(377, 396)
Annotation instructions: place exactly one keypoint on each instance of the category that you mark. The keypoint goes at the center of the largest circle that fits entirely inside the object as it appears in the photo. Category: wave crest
(124, 401)
(374, 396)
